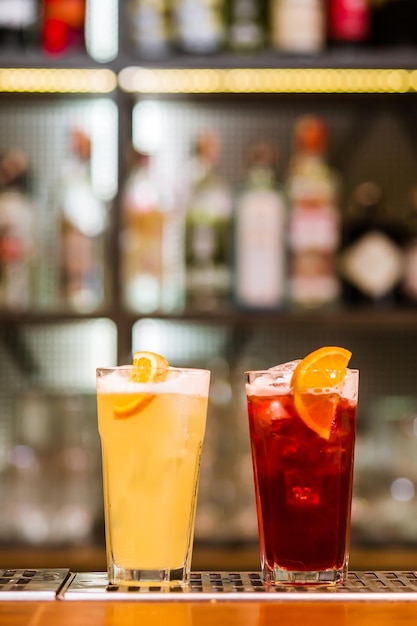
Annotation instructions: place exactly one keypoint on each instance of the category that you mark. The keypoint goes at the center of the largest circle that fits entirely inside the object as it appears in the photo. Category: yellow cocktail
(151, 437)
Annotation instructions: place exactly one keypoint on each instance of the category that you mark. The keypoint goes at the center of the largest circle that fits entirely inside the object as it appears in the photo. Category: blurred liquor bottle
(371, 257)
(50, 489)
(298, 26)
(83, 220)
(151, 242)
(394, 22)
(409, 282)
(260, 215)
(63, 26)
(247, 25)
(19, 20)
(102, 29)
(208, 228)
(149, 28)
(18, 240)
(349, 22)
(314, 222)
(199, 26)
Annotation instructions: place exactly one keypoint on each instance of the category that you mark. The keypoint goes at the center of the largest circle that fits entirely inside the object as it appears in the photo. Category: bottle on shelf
(409, 281)
(208, 228)
(18, 240)
(53, 497)
(247, 25)
(199, 26)
(151, 242)
(394, 23)
(314, 221)
(63, 26)
(102, 30)
(149, 28)
(19, 21)
(349, 22)
(371, 261)
(260, 222)
(298, 26)
(83, 221)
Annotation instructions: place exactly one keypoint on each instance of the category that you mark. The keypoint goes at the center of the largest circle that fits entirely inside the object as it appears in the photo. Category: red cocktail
(303, 479)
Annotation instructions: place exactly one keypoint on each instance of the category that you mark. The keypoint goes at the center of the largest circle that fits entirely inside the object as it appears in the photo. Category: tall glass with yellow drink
(152, 422)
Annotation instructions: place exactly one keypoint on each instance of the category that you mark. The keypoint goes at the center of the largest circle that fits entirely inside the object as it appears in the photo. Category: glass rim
(171, 368)
(270, 371)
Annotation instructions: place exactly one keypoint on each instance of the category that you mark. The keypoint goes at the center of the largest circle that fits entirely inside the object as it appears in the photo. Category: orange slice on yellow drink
(314, 384)
(148, 367)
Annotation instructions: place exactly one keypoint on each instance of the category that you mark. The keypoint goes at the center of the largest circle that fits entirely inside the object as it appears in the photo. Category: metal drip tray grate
(246, 586)
(51, 584)
(31, 584)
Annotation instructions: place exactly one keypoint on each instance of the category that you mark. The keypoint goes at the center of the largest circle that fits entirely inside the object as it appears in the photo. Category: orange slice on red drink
(148, 367)
(314, 384)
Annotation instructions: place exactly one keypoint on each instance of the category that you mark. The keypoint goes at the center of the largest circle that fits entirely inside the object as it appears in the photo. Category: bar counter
(63, 598)
(340, 613)
(367, 610)
(87, 558)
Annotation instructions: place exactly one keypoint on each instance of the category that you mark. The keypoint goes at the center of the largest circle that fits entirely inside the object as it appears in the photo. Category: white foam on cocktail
(185, 381)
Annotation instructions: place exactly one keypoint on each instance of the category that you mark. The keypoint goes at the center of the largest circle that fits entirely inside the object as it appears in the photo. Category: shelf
(17, 318)
(355, 58)
(36, 58)
(369, 320)
(359, 319)
(397, 57)
(371, 70)
(383, 70)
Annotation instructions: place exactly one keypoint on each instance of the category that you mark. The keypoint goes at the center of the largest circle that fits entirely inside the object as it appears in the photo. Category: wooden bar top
(253, 613)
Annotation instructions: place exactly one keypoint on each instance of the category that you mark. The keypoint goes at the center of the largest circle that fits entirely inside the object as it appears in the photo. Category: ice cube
(285, 367)
(283, 373)
(301, 490)
(278, 411)
(350, 385)
(276, 380)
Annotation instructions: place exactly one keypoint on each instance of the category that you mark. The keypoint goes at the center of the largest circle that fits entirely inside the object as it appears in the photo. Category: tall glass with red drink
(302, 453)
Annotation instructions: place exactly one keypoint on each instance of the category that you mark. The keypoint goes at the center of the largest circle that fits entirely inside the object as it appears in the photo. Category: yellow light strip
(251, 80)
(206, 81)
(41, 80)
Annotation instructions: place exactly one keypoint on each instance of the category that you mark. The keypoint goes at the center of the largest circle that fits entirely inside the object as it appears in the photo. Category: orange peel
(315, 384)
(148, 367)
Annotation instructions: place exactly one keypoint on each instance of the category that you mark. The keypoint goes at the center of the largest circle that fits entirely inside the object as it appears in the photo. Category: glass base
(148, 578)
(278, 576)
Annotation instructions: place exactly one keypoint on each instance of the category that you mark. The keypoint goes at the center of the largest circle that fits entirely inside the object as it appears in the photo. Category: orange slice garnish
(314, 384)
(148, 367)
